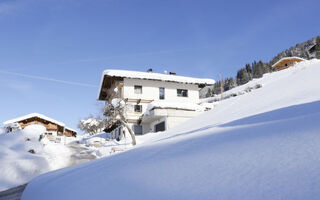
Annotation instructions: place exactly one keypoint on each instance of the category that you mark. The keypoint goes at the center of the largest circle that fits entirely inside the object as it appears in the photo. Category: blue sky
(75, 40)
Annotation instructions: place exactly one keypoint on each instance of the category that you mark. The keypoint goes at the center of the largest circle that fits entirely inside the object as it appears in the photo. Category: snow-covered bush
(91, 125)
(34, 131)
(11, 127)
(95, 141)
(23, 156)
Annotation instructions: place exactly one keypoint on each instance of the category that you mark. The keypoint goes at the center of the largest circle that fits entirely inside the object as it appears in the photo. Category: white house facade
(154, 101)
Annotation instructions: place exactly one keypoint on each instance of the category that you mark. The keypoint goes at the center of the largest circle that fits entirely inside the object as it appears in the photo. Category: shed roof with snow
(41, 116)
(285, 60)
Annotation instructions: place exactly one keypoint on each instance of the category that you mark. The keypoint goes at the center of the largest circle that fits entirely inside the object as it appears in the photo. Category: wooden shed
(53, 127)
(286, 62)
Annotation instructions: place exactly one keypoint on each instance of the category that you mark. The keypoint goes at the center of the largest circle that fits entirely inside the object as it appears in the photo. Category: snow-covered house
(154, 101)
(53, 127)
(286, 62)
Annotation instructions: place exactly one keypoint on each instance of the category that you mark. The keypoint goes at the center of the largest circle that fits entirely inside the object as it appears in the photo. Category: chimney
(173, 73)
(149, 70)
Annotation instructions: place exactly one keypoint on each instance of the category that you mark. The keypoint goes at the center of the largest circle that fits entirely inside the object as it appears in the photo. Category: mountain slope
(260, 145)
(300, 50)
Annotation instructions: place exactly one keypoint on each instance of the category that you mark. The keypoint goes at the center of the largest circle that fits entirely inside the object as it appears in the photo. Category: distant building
(286, 62)
(54, 127)
(155, 102)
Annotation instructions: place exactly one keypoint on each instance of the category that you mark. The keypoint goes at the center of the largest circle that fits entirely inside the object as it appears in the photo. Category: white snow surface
(261, 145)
(175, 105)
(101, 145)
(18, 166)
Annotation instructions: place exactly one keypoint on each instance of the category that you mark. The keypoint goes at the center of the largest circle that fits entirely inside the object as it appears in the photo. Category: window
(160, 127)
(138, 89)
(182, 93)
(137, 129)
(161, 93)
(138, 108)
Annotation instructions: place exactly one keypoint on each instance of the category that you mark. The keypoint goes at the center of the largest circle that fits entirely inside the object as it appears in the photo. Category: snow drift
(18, 165)
(261, 145)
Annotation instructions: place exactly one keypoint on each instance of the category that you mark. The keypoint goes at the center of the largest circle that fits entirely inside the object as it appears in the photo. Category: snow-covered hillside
(18, 165)
(261, 145)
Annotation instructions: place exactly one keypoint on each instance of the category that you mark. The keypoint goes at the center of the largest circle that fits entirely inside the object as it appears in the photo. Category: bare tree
(114, 112)
(221, 85)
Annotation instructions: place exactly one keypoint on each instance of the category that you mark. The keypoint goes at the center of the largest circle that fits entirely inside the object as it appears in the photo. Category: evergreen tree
(257, 69)
(209, 93)
(249, 71)
(317, 47)
(229, 83)
(243, 76)
(216, 88)
(266, 68)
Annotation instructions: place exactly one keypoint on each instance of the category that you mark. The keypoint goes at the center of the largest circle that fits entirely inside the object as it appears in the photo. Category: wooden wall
(284, 64)
(70, 133)
(49, 126)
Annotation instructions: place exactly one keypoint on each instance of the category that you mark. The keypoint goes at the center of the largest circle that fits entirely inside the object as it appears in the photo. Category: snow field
(261, 145)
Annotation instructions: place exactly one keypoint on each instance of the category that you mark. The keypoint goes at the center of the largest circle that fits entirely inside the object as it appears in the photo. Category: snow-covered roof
(34, 115)
(174, 105)
(154, 76)
(70, 129)
(157, 76)
(287, 58)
